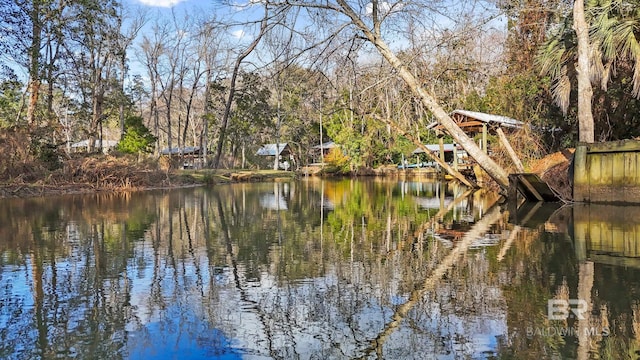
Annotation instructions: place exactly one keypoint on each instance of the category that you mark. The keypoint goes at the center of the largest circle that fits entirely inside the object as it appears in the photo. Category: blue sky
(215, 8)
(165, 6)
(164, 3)
(196, 10)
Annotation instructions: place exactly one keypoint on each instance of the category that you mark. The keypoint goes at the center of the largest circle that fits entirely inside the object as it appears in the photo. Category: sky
(161, 3)
(159, 9)
(166, 6)
(215, 8)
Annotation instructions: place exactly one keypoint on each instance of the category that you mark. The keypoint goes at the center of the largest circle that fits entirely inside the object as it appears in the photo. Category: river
(316, 269)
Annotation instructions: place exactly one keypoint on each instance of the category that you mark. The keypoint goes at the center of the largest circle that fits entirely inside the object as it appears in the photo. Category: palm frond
(561, 90)
(551, 58)
(636, 78)
(629, 47)
(596, 66)
(602, 32)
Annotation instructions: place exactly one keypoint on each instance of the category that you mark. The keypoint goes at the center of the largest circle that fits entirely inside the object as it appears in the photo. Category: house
(189, 150)
(83, 145)
(473, 122)
(448, 149)
(281, 150)
(270, 150)
(322, 150)
(191, 156)
(326, 147)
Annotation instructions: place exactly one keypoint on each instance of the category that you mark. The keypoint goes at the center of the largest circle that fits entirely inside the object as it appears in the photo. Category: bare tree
(124, 41)
(34, 59)
(209, 50)
(92, 46)
(171, 74)
(152, 49)
(232, 85)
(366, 21)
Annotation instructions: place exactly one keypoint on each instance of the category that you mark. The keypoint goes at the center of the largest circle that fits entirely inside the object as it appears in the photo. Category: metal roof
(504, 121)
(189, 150)
(327, 145)
(85, 143)
(490, 118)
(270, 149)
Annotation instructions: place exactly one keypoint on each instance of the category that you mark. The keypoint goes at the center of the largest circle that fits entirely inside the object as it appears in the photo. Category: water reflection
(313, 269)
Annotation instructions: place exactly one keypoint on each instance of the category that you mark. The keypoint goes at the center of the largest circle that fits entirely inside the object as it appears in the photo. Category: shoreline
(179, 179)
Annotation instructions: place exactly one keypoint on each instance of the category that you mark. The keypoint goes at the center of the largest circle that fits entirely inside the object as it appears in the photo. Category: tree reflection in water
(313, 269)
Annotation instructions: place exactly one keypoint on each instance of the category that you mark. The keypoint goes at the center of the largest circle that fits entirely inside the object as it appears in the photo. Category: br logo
(560, 309)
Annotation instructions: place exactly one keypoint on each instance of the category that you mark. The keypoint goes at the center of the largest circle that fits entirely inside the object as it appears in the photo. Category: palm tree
(614, 30)
(615, 33)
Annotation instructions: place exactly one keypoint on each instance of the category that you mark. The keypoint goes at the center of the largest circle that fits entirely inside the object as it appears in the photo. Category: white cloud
(243, 5)
(161, 3)
(239, 34)
(383, 7)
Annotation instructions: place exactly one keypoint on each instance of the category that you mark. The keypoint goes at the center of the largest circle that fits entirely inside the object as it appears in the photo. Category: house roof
(472, 121)
(189, 150)
(85, 143)
(327, 145)
(490, 118)
(270, 149)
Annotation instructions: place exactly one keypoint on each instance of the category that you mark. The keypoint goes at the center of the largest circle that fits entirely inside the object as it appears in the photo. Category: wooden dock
(531, 187)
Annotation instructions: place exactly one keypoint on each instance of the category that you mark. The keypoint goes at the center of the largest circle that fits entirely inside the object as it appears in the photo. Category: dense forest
(234, 76)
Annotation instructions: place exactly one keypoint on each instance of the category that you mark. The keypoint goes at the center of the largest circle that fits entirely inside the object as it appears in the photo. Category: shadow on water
(316, 269)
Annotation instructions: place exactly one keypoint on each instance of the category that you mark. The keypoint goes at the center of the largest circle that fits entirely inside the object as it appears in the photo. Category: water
(316, 270)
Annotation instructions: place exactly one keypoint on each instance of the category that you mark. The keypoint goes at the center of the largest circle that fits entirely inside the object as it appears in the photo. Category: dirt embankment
(555, 170)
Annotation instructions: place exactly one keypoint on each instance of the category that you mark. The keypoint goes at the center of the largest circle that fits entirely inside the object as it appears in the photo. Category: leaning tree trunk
(451, 171)
(494, 170)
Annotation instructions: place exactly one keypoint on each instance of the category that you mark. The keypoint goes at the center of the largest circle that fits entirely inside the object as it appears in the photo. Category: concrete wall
(607, 172)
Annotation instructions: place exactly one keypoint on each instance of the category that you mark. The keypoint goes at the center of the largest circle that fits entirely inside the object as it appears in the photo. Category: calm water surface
(316, 270)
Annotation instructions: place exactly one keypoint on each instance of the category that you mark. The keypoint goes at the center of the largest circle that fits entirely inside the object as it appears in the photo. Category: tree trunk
(232, 88)
(491, 167)
(96, 117)
(453, 172)
(34, 65)
(168, 100)
(585, 91)
(585, 285)
(123, 69)
(276, 161)
(204, 138)
(153, 111)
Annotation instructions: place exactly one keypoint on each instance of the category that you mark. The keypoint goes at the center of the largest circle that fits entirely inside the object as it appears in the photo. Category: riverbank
(119, 174)
(106, 173)
(171, 180)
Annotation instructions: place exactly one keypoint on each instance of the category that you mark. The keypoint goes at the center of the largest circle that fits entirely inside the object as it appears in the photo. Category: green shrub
(137, 137)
